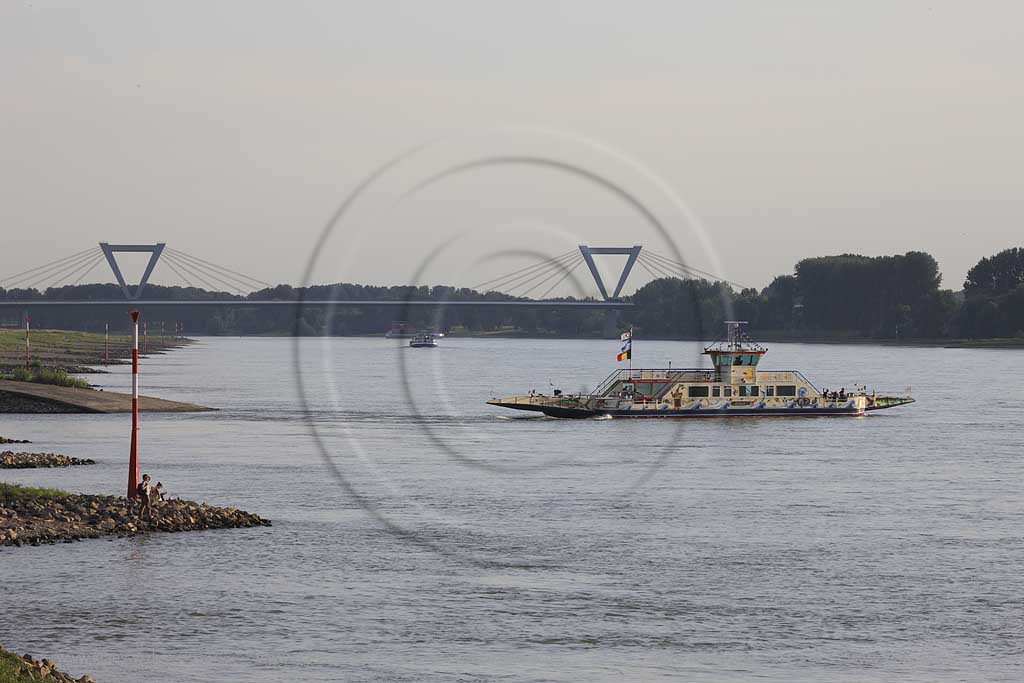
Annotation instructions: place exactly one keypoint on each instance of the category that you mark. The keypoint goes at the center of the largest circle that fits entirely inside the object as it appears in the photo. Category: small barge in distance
(733, 387)
(423, 341)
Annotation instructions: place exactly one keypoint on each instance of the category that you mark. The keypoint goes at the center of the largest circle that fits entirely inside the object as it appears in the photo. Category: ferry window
(748, 391)
(786, 390)
(716, 391)
(769, 391)
(697, 391)
(727, 390)
(644, 388)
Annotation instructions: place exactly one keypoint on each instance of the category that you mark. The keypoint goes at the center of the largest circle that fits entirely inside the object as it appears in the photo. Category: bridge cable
(210, 274)
(41, 273)
(522, 270)
(513, 282)
(643, 265)
(546, 278)
(677, 268)
(197, 270)
(241, 277)
(59, 261)
(658, 271)
(80, 273)
(213, 287)
(95, 263)
(567, 273)
(228, 281)
(692, 269)
(551, 270)
(178, 273)
(60, 272)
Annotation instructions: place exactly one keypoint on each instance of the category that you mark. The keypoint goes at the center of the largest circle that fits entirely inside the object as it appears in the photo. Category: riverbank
(782, 337)
(77, 352)
(14, 461)
(29, 397)
(33, 516)
(27, 669)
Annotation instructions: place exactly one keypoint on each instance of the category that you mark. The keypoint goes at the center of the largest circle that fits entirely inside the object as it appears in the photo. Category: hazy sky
(232, 130)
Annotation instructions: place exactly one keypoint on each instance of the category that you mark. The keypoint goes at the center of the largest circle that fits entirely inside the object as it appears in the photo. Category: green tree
(996, 275)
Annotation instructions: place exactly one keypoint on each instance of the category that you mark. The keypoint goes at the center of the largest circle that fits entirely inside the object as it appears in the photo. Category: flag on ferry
(626, 352)
(627, 335)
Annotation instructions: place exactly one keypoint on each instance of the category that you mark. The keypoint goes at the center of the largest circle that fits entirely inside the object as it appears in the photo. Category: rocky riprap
(37, 669)
(6, 440)
(12, 460)
(26, 520)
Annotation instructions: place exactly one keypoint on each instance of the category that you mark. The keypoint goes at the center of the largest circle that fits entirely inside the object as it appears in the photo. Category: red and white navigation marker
(28, 352)
(133, 461)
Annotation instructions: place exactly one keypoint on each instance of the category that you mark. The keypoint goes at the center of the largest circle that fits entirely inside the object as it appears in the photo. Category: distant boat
(423, 341)
(734, 386)
(401, 330)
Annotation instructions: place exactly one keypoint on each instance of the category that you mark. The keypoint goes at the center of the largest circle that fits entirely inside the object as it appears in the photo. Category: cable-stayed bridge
(538, 280)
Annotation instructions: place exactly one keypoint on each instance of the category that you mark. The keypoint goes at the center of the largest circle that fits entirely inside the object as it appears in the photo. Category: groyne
(31, 516)
(10, 460)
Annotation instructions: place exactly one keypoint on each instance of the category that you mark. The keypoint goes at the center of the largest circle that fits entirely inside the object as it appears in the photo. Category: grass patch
(17, 492)
(11, 670)
(58, 378)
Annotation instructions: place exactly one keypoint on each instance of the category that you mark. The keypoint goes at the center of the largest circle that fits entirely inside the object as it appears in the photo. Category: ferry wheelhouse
(733, 386)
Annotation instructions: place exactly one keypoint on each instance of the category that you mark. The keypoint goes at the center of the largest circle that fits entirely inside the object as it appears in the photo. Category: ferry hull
(584, 413)
(549, 407)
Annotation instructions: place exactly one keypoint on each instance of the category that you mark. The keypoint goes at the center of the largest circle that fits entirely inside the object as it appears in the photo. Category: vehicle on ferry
(734, 386)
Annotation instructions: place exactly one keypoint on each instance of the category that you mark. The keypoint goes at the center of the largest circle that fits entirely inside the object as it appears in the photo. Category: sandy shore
(29, 397)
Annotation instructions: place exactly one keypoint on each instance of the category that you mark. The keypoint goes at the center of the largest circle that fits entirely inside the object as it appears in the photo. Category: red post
(106, 343)
(28, 352)
(133, 460)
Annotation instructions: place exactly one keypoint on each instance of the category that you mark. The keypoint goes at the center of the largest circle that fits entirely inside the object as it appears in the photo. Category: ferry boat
(732, 387)
(423, 341)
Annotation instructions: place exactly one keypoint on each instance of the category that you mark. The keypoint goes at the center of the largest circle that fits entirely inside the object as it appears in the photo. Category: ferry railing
(541, 399)
(652, 374)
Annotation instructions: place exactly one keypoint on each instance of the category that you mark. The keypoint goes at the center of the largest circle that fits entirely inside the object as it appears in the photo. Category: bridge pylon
(613, 319)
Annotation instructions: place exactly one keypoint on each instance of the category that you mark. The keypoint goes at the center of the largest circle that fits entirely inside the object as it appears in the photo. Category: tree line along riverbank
(897, 297)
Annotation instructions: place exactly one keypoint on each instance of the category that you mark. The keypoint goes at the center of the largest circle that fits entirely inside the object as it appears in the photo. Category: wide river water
(419, 534)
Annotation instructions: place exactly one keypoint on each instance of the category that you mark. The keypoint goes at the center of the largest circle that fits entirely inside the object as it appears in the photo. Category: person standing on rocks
(144, 492)
(156, 496)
